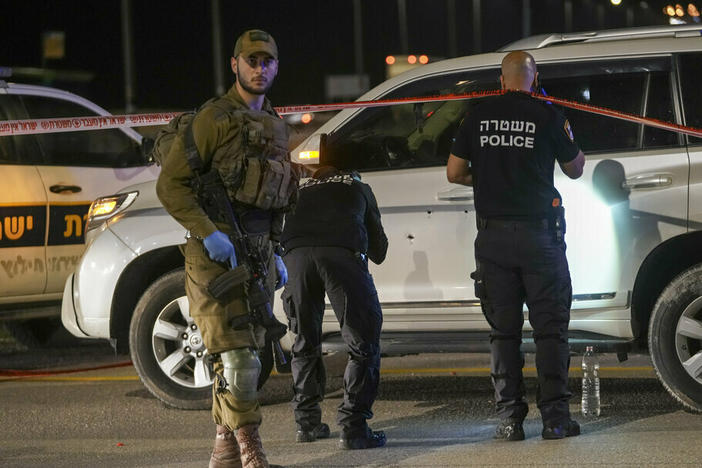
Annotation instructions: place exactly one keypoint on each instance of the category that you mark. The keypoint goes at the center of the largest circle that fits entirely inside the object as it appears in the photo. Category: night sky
(173, 40)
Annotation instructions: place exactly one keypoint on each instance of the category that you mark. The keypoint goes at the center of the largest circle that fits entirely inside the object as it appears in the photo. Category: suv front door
(23, 212)
(75, 169)
(401, 151)
(633, 193)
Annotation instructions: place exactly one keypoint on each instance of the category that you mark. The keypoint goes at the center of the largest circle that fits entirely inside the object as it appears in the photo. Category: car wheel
(167, 349)
(675, 338)
(166, 346)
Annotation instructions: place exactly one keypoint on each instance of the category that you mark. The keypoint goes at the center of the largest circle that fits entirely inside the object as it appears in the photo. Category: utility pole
(451, 27)
(526, 18)
(477, 27)
(600, 16)
(629, 16)
(358, 37)
(568, 15)
(128, 56)
(402, 21)
(217, 48)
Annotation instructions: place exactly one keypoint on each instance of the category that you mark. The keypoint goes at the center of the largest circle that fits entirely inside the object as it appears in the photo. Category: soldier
(512, 143)
(239, 136)
(327, 240)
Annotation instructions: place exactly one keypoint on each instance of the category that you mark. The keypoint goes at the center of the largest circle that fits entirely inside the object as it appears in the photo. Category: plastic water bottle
(590, 405)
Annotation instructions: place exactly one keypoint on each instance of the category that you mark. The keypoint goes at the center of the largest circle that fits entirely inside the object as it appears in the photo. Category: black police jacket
(336, 211)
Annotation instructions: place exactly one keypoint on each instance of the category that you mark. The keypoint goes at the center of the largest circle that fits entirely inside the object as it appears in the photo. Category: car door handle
(647, 181)
(65, 188)
(455, 194)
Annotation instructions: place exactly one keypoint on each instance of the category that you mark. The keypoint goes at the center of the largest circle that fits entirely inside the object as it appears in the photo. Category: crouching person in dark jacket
(328, 239)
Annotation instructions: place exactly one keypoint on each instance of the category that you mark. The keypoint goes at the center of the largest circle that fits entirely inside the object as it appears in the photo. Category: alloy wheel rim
(178, 347)
(688, 339)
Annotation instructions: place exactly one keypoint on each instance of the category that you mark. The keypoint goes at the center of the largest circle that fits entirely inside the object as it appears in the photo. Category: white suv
(48, 183)
(633, 219)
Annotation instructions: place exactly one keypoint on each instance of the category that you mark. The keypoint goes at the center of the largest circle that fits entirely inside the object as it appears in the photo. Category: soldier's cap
(255, 40)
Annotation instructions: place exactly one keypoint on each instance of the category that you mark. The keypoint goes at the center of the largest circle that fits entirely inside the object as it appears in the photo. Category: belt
(512, 224)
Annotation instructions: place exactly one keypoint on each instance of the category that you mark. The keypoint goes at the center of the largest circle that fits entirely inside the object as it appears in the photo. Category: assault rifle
(252, 268)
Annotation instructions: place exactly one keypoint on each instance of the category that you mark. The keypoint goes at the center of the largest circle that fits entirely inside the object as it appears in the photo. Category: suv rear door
(690, 70)
(633, 193)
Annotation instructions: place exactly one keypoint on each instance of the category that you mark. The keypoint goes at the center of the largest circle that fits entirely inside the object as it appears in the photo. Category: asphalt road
(437, 411)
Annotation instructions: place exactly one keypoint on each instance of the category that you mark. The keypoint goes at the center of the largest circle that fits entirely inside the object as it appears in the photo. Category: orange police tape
(73, 124)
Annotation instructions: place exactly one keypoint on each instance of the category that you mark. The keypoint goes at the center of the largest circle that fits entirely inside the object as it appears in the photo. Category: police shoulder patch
(568, 131)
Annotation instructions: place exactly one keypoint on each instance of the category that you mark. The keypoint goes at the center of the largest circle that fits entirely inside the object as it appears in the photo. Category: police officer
(327, 240)
(506, 149)
(234, 135)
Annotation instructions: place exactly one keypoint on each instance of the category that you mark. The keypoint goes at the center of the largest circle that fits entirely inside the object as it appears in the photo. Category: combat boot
(568, 428)
(371, 439)
(249, 440)
(509, 430)
(322, 431)
(225, 453)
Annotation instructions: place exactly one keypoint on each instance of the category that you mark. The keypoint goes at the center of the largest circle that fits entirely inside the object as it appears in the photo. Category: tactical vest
(253, 159)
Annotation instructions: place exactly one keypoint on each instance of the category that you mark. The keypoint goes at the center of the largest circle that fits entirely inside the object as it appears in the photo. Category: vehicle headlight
(105, 208)
(310, 152)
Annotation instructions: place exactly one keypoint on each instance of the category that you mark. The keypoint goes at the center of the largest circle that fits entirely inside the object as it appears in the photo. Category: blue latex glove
(282, 272)
(220, 248)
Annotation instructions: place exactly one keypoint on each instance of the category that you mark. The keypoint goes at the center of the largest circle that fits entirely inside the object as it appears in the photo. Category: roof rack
(546, 40)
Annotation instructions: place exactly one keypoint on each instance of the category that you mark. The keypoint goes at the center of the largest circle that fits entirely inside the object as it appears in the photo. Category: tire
(33, 333)
(167, 349)
(675, 338)
(172, 368)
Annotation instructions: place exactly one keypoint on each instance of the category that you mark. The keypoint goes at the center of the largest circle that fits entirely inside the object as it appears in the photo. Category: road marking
(71, 379)
(435, 370)
(473, 370)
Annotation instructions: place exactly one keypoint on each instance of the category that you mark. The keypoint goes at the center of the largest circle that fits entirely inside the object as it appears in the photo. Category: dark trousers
(344, 276)
(520, 262)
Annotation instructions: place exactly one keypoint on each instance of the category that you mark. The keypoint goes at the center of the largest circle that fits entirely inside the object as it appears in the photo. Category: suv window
(640, 86)
(93, 148)
(690, 66)
(408, 135)
(15, 149)
(8, 152)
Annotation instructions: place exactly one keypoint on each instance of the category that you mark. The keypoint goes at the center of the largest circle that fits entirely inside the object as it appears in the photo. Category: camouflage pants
(213, 320)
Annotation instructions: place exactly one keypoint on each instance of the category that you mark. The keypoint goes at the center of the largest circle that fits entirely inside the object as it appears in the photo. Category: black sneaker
(320, 432)
(508, 430)
(570, 428)
(372, 440)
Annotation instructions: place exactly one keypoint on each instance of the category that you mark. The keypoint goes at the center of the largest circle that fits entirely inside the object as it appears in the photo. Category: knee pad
(241, 371)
